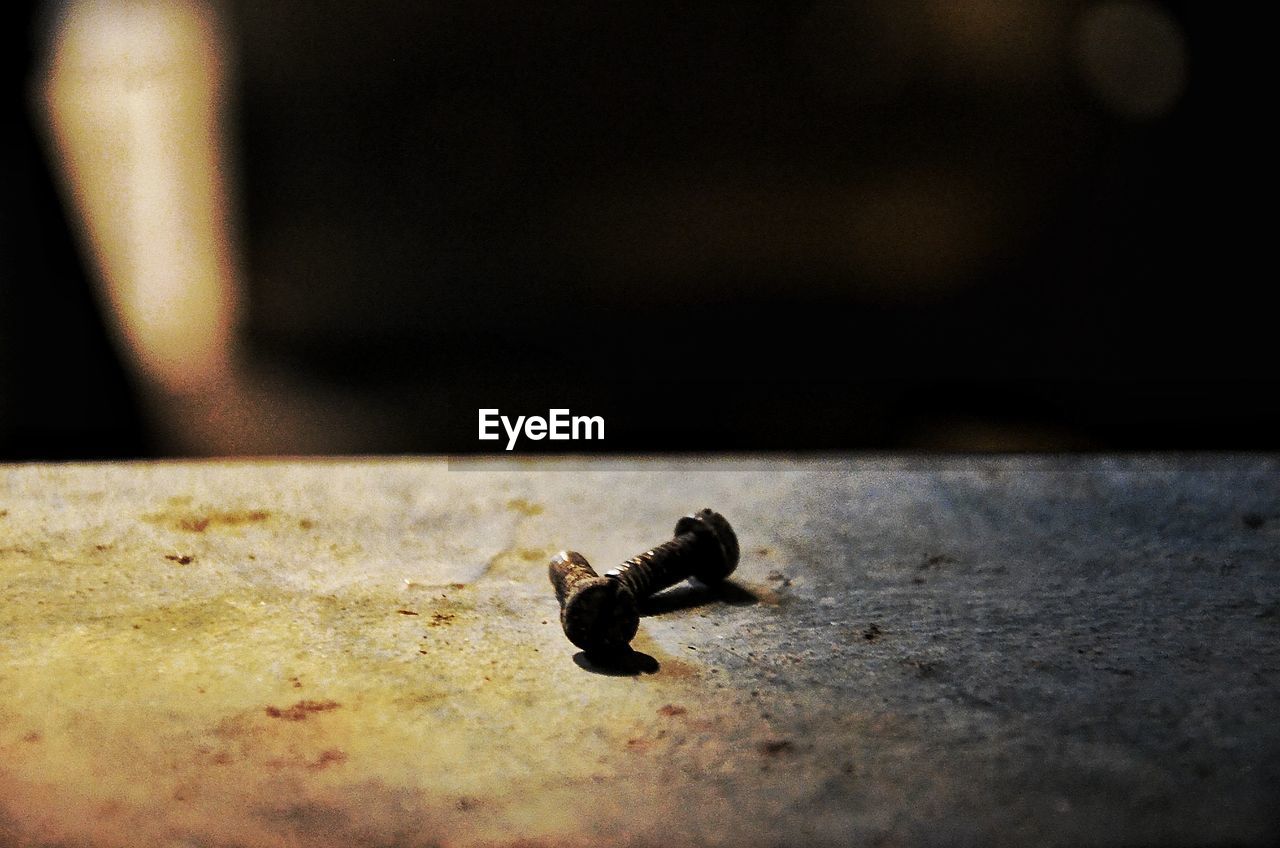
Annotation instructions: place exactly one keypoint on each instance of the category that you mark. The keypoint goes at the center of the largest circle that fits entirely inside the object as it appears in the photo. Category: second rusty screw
(704, 548)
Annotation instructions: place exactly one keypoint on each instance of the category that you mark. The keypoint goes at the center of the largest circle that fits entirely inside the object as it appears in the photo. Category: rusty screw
(704, 548)
(598, 614)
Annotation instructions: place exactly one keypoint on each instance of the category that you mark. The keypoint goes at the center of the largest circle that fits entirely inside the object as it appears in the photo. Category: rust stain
(301, 710)
(666, 665)
(524, 507)
(678, 669)
(672, 710)
(330, 757)
(768, 597)
(200, 521)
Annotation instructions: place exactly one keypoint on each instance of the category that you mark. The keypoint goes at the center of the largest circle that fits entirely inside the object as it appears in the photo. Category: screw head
(600, 616)
(713, 526)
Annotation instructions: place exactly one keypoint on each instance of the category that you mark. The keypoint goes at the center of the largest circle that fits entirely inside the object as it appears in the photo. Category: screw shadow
(621, 663)
(693, 594)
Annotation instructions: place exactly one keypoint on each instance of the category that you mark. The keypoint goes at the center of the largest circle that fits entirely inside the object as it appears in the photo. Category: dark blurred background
(864, 224)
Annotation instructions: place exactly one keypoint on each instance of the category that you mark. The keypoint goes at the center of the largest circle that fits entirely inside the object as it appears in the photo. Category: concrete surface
(1009, 650)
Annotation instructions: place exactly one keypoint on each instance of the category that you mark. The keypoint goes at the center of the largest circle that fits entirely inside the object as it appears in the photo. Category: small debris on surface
(779, 577)
(184, 559)
(406, 612)
(1253, 520)
(934, 560)
(440, 618)
(872, 633)
(923, 668)
(773, 747)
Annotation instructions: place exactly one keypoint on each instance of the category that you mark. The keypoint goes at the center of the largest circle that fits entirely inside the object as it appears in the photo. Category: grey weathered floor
(1008, 650)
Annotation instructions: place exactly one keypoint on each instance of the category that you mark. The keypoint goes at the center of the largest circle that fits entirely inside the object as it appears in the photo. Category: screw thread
(658, 568)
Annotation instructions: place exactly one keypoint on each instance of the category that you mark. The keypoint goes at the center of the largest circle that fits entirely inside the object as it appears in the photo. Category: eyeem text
(558, 426)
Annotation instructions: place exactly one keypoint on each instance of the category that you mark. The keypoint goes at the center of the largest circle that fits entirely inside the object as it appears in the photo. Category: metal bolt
(598, 614)
(704, 548)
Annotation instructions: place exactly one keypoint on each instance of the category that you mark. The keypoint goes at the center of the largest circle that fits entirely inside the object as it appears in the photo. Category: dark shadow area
(888, 230)
(694, 594)
(64, 393)
(624, 663)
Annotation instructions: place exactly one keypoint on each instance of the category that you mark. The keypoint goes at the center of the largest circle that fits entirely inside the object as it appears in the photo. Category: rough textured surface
(971, 651)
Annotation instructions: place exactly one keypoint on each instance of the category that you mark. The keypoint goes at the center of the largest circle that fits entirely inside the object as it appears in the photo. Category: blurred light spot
(917, 234)
(1133, 57)
(1006, 42)
(133, 99)
(857, 53)
(914, 234)
(959, 433)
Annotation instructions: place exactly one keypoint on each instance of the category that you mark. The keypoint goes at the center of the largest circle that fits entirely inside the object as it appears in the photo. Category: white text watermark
(558, 426)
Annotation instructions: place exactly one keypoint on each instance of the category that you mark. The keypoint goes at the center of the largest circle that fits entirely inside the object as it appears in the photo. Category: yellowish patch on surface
(524, 507)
